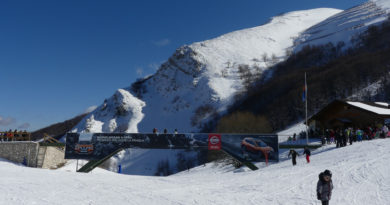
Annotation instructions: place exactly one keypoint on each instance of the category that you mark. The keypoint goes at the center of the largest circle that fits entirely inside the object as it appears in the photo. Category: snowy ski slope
(360, 176)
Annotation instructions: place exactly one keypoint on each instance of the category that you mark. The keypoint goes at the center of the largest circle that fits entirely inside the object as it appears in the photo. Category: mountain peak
(200, 80)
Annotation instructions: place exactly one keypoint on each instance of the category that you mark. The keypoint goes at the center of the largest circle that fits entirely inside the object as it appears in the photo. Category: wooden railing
(47, 140)
(15, 136)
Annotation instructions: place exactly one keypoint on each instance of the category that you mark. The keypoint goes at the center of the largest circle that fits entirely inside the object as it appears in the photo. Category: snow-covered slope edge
(201, 79)
(346, 25)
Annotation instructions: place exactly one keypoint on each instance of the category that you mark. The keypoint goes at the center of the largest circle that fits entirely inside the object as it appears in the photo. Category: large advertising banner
(98, 145)
(250, 147)
(94, 146)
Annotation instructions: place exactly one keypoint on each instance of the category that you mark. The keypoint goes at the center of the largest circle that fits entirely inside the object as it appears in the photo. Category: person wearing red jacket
(307, 153)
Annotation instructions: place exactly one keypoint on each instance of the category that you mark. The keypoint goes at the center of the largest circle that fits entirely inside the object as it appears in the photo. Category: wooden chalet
(342, 114)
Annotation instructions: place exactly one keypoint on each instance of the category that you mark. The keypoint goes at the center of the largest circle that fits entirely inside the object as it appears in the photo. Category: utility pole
(307, 125)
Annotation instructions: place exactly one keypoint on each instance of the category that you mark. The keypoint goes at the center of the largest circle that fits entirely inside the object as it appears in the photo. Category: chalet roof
(375, 107)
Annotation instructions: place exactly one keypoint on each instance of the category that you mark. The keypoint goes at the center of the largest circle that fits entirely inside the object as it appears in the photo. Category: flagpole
(307, 135)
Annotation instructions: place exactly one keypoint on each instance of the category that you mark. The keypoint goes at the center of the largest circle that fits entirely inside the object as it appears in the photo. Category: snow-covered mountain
(200, 80)
(344, 26)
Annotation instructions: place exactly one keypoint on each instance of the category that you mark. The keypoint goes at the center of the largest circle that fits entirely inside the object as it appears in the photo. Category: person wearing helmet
(324, 187)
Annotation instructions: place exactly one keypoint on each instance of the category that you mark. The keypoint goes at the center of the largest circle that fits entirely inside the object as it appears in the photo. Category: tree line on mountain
(59, 129)
(334, 72)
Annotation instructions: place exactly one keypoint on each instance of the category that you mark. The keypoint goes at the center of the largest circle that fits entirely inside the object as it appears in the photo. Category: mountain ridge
(200, 80)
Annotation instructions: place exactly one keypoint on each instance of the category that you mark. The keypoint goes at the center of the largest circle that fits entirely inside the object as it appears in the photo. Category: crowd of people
(155, 131)
(14, 135)
(341, 137)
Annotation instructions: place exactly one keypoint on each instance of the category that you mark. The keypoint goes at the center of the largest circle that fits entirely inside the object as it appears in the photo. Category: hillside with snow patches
(200, 79)
(360, 176)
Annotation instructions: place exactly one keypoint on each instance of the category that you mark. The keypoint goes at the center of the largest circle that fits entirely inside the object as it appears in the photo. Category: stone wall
(20, 152)
(54, 158)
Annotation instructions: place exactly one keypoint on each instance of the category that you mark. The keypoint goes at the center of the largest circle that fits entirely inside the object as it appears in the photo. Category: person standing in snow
(346, 137)
(294, 155)
(307, 153)
(385, 130)
(359, 134)
(294, 137)
(324, 187)
(338, 138)
(351, 136)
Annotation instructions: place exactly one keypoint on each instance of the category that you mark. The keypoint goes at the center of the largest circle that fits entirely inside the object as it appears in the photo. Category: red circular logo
(214, 140)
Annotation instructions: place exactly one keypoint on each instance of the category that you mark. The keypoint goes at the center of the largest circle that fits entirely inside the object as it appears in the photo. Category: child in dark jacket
(294, 155)
(324, 187)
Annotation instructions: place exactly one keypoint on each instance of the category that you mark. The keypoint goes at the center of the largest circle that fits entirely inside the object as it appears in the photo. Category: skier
(307, 152)
(294, 154)
(324, 187)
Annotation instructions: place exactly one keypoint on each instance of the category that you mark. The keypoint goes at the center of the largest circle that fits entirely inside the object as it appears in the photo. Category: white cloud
(90, 109)
(154, 66)
(7, 121)
(139, 71)
(162, 42)
(24, 126)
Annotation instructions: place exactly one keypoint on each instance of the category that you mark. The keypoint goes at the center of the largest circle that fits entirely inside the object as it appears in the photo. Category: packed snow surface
(290, 131)
(360, 176)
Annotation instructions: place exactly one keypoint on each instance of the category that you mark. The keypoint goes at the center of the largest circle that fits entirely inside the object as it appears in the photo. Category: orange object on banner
(214, 142)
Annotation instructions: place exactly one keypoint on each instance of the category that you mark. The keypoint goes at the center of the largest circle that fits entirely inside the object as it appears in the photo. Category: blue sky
(58, 58)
